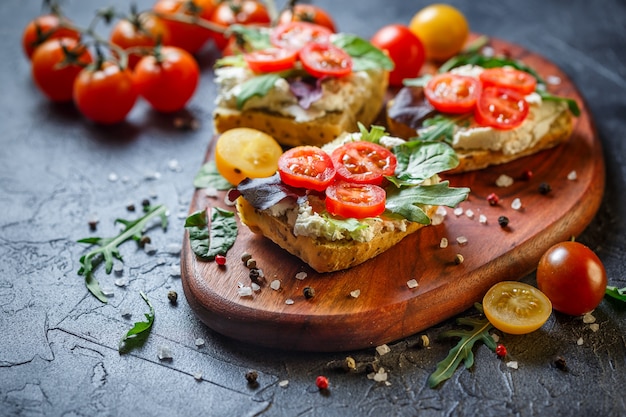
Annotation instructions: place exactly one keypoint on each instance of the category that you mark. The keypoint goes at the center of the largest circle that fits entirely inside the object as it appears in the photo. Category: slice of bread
(406, 112)
(363, 105)
(321, 254)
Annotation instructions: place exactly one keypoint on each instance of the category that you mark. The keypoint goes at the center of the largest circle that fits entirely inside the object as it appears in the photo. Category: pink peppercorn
(493, 199)
(321, 382)
(220, 260)
(501, 350)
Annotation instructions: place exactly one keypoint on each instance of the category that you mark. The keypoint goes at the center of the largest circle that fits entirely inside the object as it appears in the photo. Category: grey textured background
(58, 345)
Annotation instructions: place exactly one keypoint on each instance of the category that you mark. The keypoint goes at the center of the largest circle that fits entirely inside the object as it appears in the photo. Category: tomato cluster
(496, 97)
(351, 176)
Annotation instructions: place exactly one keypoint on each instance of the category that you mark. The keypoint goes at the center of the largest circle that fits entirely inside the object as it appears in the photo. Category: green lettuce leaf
(405, 201)
(256, 86)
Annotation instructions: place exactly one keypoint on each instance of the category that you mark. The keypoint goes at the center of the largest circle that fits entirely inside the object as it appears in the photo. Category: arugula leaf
(211, 237)
(252, 37)
(140, 331)
(572, 105)
(236, 60)
(403, 201)
(475, 58)
(462, 352)
(108, 249)
(616, 293)
(373, 135)
(350, 224)
(417, 82)
(365, 56)
(256, 86)
(420, 160)
(208, 176)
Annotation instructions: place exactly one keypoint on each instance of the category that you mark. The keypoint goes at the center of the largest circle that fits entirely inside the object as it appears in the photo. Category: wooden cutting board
(386, 308)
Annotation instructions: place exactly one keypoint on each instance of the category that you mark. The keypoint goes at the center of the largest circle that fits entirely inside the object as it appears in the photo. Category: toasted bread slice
(321, 254)
(406, 112)
(362, 105)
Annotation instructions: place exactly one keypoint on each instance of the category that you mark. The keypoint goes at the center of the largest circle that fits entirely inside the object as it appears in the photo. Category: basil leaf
(616, 293)
(365, 56)
(208, 176)
(403, 201)
(418, 161)
(214, 237)
(256, 86)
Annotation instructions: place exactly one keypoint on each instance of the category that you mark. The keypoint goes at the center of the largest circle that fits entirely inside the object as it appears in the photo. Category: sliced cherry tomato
(271, 59)
(167, 79)
(139, 30)
(363, 162)
(306, 167)
(452, 93)
(322, 60)
(359, 201)
(308, 13)
(55, 65)
(188, 36)
(573, 278)
(404, 48)
(243, 12)
(500, 108)
(246, 153)
(105, 94)
(43, 28)
(516, 308)
(507, 77)
(295, 35)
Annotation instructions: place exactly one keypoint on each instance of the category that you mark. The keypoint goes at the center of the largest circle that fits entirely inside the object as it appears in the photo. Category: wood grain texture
(387, 309)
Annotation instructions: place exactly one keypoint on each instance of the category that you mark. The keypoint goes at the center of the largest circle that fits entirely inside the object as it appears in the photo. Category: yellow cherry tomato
(516, 308)
(244, 152)
(442, 29)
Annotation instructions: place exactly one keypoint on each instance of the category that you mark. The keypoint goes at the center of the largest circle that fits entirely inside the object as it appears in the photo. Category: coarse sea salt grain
(589, 318)
(516, 204)
(553, 79)
(173, 165)
(495, 337)
(355, 293)
(512, 364)
(301, 275)
(211, 192)
(504, 181)
(469, 213)
(198, 376)
(461, 240)
(283, 383)
(383, 350)
(572, 176)
(482, 219)
(443, 243)
(113, 177)
(289, 301)
(244, 291)
(164, 353)
(412, 283)
(175, 270)
(441, 210)
(436, 219)
(275, 285)
(594, 327)
(255, 287)
(580, 341)
(458, 211)
(121, 282)
(199, 342)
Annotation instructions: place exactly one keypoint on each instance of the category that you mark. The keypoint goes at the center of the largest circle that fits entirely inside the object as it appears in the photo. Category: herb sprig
(108, 249)
(462, 352)
(140, 331)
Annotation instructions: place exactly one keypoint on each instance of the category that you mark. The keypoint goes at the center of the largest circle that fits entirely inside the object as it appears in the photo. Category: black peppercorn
(308, 292)
(503, 221)
(544, 188)
(252, 376)
(254, 274)
(172, 296)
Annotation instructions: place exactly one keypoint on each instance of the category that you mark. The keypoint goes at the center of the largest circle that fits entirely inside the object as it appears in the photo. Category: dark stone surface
(58, 344)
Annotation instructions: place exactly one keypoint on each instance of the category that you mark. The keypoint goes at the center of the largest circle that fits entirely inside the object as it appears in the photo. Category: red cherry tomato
(106, 94)
(167, 79)
(44, 28)
(500, 108)
(306, 167)
(308, 13)
(404, 48)
(510, 78)
(55, 65)
(271, 59)
(244, 12)
(322, 60)
(187, 36)
(363, 162)
(359, 201)
(573, 278)
(452, 93)
(143, 30)
(295, 35)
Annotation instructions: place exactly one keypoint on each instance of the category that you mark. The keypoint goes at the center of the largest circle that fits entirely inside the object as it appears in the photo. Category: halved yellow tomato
(516, 308)
(243, 152)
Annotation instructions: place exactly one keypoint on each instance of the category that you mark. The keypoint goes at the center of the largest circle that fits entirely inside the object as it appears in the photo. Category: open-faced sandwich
(300, 83)
(340, 205)
(489, 114)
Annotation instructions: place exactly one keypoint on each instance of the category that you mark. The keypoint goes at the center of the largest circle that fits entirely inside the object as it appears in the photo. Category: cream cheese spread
(537, 124)
(337, 93)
